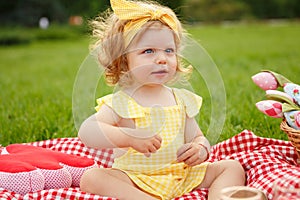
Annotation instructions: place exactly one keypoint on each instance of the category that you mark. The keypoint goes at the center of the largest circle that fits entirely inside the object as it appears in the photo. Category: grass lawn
(36, 80)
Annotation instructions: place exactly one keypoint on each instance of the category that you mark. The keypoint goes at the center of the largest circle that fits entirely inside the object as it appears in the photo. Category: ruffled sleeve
(191, 101)
(122, 104)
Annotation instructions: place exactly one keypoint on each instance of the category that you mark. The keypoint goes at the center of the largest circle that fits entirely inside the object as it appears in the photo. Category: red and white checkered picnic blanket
(265, 160)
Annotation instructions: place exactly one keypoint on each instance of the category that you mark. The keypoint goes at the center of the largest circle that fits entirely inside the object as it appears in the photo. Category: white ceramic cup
(241, 193)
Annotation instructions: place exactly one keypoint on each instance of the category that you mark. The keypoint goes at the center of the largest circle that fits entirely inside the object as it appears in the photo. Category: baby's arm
(102, 130)
(196, 147)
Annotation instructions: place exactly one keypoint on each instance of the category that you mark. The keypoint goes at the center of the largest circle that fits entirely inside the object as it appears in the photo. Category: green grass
(241, 51)
(36, 80)
(36, 83)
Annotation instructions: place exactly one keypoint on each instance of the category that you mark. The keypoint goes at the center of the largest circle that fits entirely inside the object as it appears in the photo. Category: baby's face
(152, 57)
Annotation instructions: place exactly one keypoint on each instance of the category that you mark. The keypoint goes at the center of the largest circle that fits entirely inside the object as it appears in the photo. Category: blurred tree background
(28, 12)
(220, 10)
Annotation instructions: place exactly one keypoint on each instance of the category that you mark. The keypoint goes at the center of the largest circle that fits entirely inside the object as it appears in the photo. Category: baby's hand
(192, 154)
(146, 145)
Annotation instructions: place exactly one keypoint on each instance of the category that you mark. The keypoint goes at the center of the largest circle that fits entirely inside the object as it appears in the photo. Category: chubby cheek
(141, 69)
(140, 72)
(173, 66)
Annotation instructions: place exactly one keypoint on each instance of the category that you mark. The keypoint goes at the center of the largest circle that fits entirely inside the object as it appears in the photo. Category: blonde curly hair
(109, 45)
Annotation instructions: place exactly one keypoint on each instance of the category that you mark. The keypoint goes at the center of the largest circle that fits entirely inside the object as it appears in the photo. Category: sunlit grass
(241, 51)
(36, 80)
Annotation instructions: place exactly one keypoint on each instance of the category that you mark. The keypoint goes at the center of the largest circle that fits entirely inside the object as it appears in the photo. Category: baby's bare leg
(111, 183)
(222, 174)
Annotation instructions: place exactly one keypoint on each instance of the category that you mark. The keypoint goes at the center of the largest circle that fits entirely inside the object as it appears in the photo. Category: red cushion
(37, 168)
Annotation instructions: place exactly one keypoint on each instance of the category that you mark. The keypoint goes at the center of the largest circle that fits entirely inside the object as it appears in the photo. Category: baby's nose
(161, 58)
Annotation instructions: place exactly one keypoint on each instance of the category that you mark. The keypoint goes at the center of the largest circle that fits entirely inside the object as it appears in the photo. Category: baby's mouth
(160, 72)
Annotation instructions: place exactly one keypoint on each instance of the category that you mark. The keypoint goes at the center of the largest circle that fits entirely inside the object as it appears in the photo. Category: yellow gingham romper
(160, 174)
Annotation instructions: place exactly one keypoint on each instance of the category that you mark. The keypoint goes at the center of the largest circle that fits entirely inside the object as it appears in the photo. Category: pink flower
(279, 96)
(271, 108)
(297, 119)
(265, 81)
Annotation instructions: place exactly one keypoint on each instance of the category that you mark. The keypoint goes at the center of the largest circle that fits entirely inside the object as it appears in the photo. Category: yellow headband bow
(138, 15)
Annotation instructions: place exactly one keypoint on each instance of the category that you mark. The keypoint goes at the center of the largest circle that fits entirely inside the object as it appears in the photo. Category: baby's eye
(148, 51)
(169, 50)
